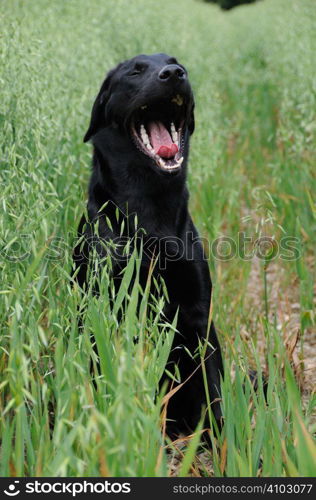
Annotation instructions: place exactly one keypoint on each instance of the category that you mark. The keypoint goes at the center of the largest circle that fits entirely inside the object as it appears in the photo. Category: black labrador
(140, 128)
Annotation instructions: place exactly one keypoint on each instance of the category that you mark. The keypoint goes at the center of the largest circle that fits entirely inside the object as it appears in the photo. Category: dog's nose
(172, 72)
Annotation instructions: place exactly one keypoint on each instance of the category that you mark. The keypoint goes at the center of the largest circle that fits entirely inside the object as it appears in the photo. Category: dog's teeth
(174, 134)
(144, 135)
(163, 165)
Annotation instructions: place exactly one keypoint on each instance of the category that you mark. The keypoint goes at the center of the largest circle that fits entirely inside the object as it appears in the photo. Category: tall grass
(251, 170)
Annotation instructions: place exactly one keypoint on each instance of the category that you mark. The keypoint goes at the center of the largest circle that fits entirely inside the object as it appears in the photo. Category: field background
(252, 169)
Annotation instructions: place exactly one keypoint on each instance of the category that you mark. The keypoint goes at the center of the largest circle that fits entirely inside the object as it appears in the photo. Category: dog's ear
(99, 117)
(191, 120)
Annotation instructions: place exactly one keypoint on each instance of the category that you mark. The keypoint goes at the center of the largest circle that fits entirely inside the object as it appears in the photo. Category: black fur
(127, 178)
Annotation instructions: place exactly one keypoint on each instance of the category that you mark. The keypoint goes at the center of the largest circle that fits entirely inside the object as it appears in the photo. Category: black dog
(140, 126)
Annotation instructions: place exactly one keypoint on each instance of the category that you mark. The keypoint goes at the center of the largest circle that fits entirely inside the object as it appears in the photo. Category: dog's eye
(137, 70)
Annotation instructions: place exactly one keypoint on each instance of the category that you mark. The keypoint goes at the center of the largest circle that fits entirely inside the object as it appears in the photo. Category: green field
(252, 166)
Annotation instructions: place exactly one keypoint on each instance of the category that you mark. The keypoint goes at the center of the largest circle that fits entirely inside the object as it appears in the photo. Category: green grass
(251, 170)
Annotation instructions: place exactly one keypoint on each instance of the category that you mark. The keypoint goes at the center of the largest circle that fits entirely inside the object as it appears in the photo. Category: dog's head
(149, 101)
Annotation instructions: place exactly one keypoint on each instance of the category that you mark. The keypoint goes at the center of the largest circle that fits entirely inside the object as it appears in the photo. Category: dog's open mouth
(157, 130)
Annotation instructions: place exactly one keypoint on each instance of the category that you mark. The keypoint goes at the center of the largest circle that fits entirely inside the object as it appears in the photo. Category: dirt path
(284, 311)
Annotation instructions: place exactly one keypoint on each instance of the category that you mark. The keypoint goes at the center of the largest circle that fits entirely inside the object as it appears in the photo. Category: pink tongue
(161, 140)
